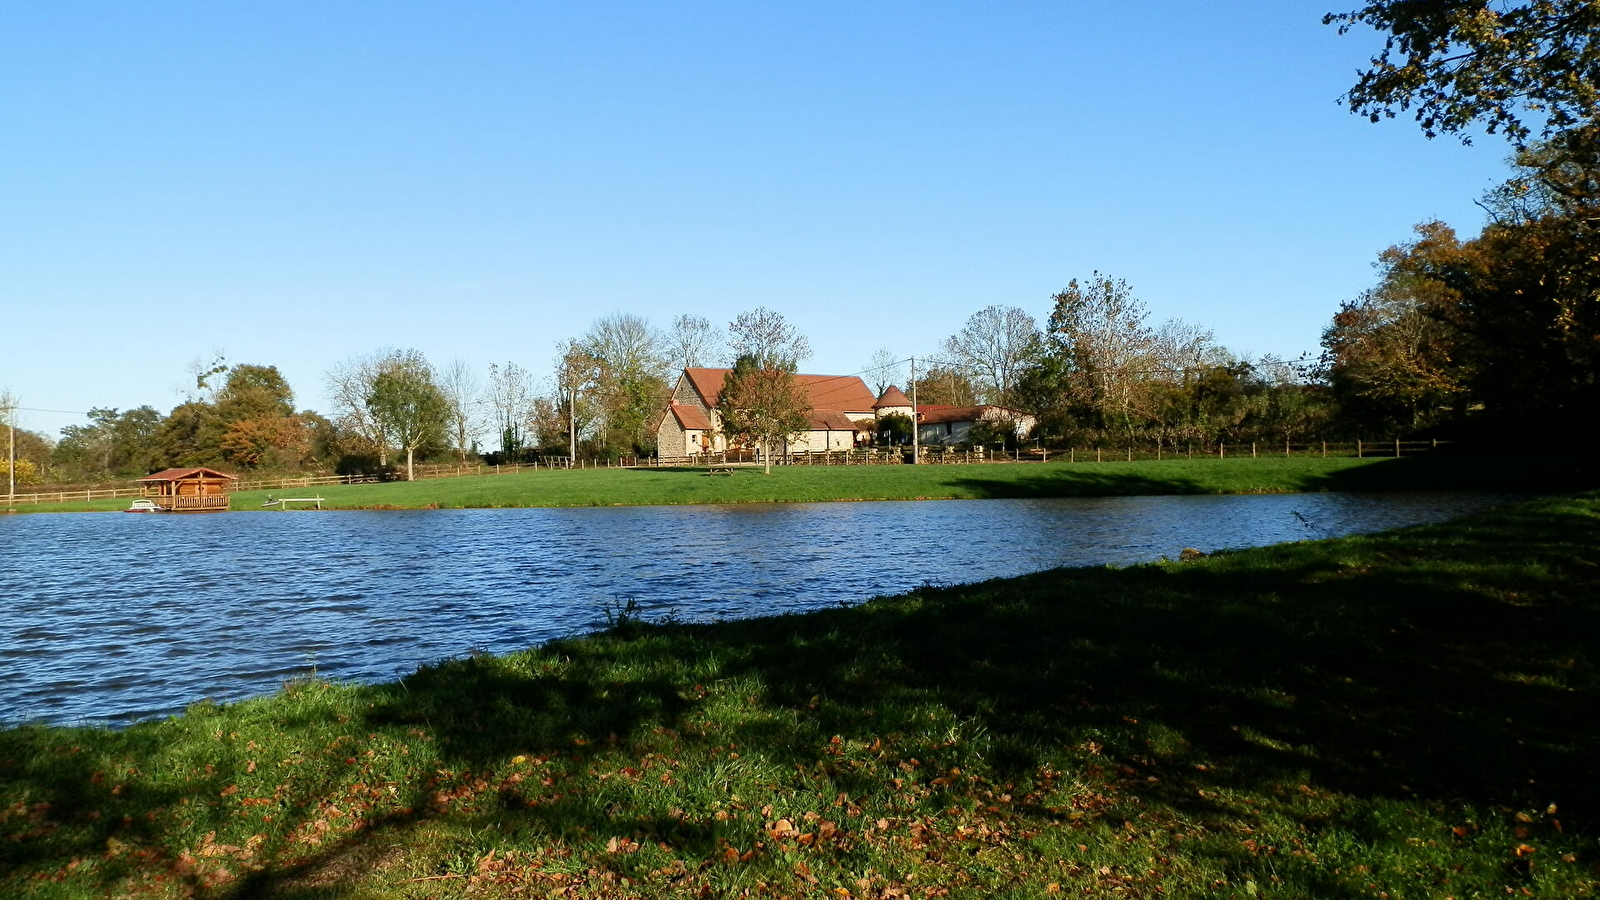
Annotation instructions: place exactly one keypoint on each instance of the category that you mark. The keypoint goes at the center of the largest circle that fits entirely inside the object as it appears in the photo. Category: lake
(111, 618)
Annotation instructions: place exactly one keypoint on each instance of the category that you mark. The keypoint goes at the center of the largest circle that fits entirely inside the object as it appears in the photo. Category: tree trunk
(409, 456)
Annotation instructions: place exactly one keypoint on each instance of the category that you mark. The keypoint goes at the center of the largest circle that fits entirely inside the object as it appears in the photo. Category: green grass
(650, 487)
(1406, 715)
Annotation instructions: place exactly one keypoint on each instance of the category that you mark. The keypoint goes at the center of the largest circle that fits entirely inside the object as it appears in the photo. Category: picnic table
(720, 470)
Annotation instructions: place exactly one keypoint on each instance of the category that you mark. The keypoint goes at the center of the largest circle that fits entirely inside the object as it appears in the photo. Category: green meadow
(1404, 715)
(798, 484)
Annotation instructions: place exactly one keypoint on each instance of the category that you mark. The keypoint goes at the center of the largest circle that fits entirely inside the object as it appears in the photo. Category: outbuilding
(189, 490)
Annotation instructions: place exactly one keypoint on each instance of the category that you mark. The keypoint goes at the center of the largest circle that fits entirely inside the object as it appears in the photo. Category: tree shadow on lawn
(1458, 670)
(1454, 472)
(1078, 482)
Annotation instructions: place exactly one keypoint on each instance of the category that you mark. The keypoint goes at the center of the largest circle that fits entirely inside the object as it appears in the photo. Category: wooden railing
(193, 502)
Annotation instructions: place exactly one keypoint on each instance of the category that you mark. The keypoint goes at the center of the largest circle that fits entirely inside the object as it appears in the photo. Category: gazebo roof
(197, 473)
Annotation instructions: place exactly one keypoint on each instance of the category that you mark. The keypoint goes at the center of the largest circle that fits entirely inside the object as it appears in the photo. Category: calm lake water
(114, 618)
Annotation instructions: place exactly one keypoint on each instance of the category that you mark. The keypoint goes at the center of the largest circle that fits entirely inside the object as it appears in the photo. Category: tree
(883, 369)
(510, 396)
(407, 404)
(1389, 355)
(630, 385)
(943, 384)
(577, 373)
(1103, 348)
(762, 405)
(112, 443)
(894, 429)
(768, 339)
(461, 388)
(1512, 65)
(692, 342)
(349, 383)
(996, 345)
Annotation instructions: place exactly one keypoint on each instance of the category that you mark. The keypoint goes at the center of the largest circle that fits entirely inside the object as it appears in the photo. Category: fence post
(1396, 448)
(1221, 449)
(1324, 449)
(1358, 448)
(1252, 449)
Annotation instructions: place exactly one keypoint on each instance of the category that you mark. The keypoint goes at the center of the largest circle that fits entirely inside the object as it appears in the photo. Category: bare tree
(348, 384)
(510, 397)
(883, 369)
(996, 345)
(768, 339)
(692, 342)
(462, 389)
(8, 418)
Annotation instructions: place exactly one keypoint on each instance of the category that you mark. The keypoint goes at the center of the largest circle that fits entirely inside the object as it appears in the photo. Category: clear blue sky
(294, 183)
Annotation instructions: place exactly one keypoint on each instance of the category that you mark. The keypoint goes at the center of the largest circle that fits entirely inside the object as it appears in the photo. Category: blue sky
(295, 183)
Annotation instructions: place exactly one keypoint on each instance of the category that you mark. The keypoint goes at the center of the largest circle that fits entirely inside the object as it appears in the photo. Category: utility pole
(916, 426)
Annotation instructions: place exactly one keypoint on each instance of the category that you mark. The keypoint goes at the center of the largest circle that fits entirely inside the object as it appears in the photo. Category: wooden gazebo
(189, 490)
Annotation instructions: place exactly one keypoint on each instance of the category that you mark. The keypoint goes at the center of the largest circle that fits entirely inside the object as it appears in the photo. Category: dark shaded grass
(1412, 714)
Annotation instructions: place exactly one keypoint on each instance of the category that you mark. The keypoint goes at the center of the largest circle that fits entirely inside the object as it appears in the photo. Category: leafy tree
(577, 375)
(630, 388)
(407, 404)
(1512, 66)
(267, 441)
(190, 435)
(112, 443)
(1389, 355)
(1097, 330)
(997, 344)
(894, 429)
(762, 405)
(254, 392)
(943, 384)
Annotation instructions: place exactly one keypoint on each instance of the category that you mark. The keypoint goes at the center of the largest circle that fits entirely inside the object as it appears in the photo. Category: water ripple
(112, 618)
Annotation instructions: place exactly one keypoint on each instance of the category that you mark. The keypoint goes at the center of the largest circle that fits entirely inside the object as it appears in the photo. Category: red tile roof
(892, 396)
(691, 416)
(930, 415)
(829, 420)
(841, 393)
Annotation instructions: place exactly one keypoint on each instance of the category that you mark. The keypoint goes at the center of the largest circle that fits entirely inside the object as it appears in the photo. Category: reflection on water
(115, 617)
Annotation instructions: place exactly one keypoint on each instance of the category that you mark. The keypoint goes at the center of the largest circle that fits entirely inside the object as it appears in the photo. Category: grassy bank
(1405, 715)
(651, 487)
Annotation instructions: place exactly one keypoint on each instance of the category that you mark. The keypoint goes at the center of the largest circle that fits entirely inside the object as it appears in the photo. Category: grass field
(1406, 715)
(649, 487)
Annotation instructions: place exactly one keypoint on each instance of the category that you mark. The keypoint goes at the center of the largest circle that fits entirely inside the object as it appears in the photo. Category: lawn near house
(1411, 714)
(798, 484)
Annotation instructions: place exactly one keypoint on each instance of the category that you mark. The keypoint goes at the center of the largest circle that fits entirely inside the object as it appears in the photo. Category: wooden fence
(1361, 449)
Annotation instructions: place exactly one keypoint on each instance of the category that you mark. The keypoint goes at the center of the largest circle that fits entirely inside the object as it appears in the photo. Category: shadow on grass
(1080, 482)
(1444, 471)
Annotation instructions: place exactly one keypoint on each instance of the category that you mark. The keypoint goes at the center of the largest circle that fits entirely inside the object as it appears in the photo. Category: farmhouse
(841, 415)
(948, 425)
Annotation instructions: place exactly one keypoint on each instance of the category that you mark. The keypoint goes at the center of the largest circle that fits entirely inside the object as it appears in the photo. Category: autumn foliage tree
(762, 405)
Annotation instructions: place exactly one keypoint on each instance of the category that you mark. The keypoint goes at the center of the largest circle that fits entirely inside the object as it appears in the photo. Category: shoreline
(1407, 712)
